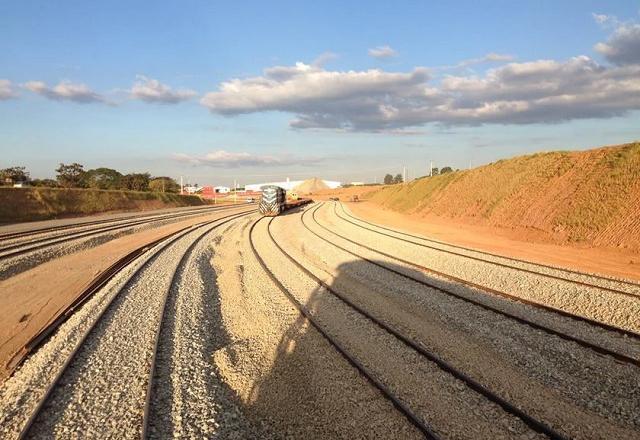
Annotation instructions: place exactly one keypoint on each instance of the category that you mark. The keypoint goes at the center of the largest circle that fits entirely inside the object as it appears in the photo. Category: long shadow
(312, 392)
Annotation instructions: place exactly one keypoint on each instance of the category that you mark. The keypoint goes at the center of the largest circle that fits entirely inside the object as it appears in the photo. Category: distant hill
(578, 196)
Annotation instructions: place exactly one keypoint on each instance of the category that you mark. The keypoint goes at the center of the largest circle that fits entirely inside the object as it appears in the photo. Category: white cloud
(65, 91)
(383, 52)
(6, 90)
(227, 159)
(374, 100)
(604, 19)
(152, 90)
(320, 97)
(489, 58)
(623, 47)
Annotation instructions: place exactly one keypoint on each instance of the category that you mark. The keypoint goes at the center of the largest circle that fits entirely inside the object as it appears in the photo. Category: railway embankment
(589, 198)
(29, 204)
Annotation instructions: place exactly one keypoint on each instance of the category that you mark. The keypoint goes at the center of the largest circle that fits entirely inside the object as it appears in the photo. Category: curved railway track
(24, 247)
(26, 233)
(164, 245)
(423, 426)
(584, 343)
(495, 263)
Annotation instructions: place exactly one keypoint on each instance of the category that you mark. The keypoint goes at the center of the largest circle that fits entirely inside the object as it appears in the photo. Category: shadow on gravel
(312, 392)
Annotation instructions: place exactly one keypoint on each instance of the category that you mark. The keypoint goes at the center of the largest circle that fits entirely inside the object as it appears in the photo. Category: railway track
(423, 426)
(600, 349)
(39, 412)
(538, 269)
(26, 233)
(13, 250)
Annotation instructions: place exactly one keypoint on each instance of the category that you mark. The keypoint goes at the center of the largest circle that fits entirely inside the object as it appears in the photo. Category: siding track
(482, 257)
(42, 405)
(595, 347)
(424, 427)
(12, 250)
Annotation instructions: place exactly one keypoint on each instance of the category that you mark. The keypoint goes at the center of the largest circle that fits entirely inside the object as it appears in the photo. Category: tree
(135, 181)
(434, 171)
(13, 175)
(398, 178)
(388, 179)
(446, 170)
(48, 183)
(70, 176)
(164, 184)
(102, 178)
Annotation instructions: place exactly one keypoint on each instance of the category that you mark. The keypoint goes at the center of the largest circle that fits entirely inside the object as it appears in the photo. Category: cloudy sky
(260, 91)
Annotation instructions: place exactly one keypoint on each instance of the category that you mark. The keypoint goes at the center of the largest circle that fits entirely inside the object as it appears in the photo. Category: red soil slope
(583, 198)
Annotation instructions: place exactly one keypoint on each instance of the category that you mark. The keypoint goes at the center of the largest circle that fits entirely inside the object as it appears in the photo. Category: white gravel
(96, 236)
(593, 303)
(452, 409)
(607, 282)
(102, 392)
(190, 399)
(570, 382)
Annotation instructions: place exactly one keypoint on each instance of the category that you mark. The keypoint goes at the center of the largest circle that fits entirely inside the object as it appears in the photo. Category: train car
(274, 201)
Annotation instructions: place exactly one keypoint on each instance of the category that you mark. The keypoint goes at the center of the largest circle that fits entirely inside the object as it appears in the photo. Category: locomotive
(274, 201)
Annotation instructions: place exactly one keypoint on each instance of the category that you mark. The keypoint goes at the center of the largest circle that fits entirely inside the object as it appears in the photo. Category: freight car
(274, 201)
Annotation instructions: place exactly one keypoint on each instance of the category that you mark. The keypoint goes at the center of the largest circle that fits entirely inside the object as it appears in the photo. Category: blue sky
(211, 90)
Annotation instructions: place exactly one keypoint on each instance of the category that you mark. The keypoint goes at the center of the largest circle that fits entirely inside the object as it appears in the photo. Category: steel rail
(424, 428)
(597, 348)
(44, 242)
(508, 407)
(165, 300)
(496, 263)
(20, 234)
(167, 241)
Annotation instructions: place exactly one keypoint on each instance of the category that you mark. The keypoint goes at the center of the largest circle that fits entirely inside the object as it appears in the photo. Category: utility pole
(430, 168)
(181, 186)
(404, 174)
(235, 191)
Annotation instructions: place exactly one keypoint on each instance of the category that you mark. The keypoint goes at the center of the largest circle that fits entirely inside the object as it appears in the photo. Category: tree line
(75, 176)
(390, 179)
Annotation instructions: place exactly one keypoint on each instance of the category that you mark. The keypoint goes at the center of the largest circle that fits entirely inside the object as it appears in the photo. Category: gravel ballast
(59, 243)
(284, 371)
(104, 387)
(237, 360)
(556, 379)
(600, 305)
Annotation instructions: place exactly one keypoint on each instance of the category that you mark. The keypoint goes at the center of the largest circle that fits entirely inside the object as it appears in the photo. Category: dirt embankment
(27, 204)
(576, 197)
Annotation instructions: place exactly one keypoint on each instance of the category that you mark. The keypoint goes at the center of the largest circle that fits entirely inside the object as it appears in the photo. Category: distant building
(356, 183)
(289, 184)
(192, 189)
(222, 189)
